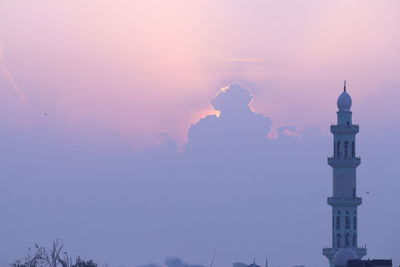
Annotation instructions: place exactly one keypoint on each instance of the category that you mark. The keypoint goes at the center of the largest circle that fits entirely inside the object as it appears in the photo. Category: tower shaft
(344, 200)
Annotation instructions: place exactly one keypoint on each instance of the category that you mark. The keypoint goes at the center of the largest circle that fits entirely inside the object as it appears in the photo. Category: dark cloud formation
(232, 100)
(232, 190)
(236, 136)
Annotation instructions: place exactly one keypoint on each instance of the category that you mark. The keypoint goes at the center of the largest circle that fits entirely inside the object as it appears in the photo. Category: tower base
(331, 252)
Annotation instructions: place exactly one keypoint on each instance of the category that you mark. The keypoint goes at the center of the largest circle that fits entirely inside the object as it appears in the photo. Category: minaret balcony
(350, 162)
(330, 252)
(361, 251)
(345, 129)
(344, 201)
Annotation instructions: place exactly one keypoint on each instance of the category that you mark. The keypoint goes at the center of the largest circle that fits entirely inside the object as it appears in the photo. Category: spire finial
(344, 85)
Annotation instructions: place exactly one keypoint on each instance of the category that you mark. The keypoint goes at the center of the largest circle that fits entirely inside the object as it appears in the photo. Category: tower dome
(344, 101)
(342, 256)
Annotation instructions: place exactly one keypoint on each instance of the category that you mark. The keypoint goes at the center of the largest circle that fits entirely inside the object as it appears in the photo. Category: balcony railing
(345, 162)
(344, 201)
(353, 128)
(330, 252)
(345, 125)
(344, 158)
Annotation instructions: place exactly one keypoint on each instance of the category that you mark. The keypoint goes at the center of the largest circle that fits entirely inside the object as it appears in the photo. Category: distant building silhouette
(369, 263)
(253, 265)
(344, 200)
(239, 264)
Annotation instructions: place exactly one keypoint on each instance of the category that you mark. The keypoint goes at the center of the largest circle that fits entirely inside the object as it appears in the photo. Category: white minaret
(344, 200)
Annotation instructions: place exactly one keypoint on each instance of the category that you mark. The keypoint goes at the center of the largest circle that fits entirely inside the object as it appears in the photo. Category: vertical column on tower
(344, 200)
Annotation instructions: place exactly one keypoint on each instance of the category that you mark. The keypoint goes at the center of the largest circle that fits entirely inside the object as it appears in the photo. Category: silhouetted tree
(53, 258)
(35, 260)
(56, 257)
(83, 263)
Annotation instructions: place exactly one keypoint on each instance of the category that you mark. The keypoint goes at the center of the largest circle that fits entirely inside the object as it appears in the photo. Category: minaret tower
(344, 200)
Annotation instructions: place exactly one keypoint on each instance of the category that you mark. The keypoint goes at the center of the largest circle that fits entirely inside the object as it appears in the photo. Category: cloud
(232, 99)
(232, 190)
(152, 201)
(237, 129)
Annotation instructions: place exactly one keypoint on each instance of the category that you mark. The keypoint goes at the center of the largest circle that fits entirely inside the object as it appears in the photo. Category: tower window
(347, 222)
(338, 222)
(346, 146)
(347, 240)
(354, 240)
(338, 237)
(353, 149)
(355, 223)
(354, 192)
(334, 150)
(338, 149)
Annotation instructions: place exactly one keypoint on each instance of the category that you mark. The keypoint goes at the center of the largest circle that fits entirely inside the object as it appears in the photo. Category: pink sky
(114, 74)
(144, 67)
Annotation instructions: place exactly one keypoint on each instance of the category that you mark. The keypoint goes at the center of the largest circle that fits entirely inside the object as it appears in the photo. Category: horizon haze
(137, 131)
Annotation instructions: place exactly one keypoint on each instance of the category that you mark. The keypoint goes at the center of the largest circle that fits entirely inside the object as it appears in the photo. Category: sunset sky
(126, 75)
(122, 64)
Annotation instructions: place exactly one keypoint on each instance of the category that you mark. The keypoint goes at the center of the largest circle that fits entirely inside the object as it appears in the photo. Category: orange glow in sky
(142, 67)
